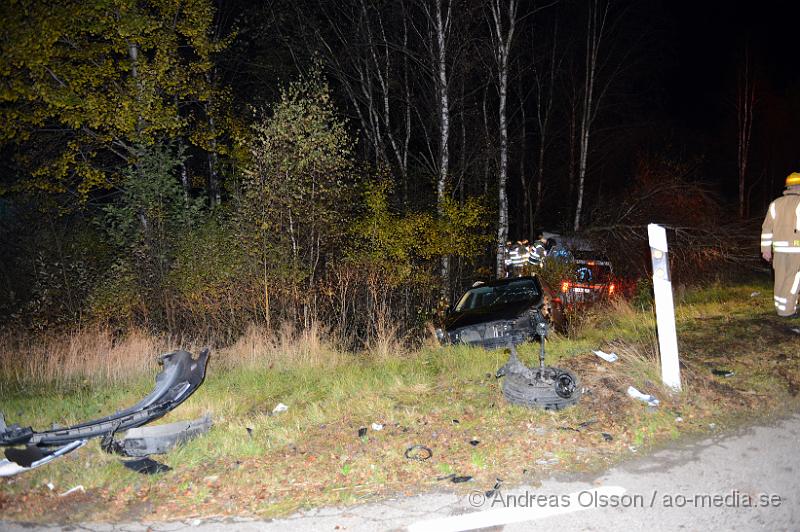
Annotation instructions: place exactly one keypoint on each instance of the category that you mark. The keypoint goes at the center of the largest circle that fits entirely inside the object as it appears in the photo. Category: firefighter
(780, 243)
(537, 251)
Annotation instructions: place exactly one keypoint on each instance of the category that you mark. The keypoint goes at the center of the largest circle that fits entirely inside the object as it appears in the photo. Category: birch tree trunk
(441, 27)
(594, 35)
(545, 84)
(502, 36)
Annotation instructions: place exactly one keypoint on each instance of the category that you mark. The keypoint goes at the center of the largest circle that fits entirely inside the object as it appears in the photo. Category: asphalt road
(746, 480)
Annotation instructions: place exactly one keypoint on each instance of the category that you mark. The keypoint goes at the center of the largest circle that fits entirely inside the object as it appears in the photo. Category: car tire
(562, 391)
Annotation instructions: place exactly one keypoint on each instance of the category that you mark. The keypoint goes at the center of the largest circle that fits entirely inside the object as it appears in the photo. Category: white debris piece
(755, 294)
(377, 426)
(636, 394)
(608, 357)
(280, 408)
(795, 330)
(79, 487)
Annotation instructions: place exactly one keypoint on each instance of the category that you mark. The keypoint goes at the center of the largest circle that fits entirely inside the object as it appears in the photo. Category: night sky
(703, 45)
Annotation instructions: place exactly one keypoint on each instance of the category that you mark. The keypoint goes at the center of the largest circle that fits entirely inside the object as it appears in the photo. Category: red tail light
(611, 288)
(565, 286)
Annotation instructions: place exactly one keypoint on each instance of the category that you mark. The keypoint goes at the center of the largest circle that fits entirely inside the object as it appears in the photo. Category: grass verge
(256, 463)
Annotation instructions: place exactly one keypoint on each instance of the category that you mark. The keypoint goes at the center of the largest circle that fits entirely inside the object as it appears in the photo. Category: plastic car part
(9, 468)
(545, 387)
(160, 439)
(180, 376)
(146, 466)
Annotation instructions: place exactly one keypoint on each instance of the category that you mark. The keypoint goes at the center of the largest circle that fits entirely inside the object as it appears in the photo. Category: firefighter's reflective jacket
(780, 231)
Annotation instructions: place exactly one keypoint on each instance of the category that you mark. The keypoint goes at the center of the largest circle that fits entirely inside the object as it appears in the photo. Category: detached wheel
(559, 391)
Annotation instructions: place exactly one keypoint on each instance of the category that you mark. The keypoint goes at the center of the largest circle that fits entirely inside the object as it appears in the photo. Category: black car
(497, 313)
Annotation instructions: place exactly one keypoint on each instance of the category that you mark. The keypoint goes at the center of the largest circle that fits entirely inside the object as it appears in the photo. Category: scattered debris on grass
(608, 357)
(377, 427)
(418, 452)
(280, 407)
(723, 373)
(78, 488)
(649, 399)
(489, 494)
(146, 466)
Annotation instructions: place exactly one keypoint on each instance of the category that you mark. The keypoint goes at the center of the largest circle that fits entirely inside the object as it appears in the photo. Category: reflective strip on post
(665, 307)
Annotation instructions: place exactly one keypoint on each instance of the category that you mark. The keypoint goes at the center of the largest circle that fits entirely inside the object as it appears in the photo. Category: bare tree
(503, 24)
(595, 31)
(544, 81)
(745, 104)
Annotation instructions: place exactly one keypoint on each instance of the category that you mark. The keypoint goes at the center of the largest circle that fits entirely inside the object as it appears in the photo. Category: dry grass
(283, 349)
(91, 355)
(97, 355)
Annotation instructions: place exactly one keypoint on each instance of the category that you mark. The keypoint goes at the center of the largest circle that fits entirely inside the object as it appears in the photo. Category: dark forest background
(202, 166)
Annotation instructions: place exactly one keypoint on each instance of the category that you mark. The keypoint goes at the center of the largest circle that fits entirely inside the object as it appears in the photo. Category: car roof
(507, 280)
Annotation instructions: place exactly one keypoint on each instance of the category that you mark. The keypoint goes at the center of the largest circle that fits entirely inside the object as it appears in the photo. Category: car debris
(581, 426)
(377, 426)
(280, 407)
(9, 468)
(608, 357)
(461, 479)
(723, 373)
(78, 488)
(649, 399)
(146, 466)
(181, 374)
(545, 387)
(498, 482)
(362, 432)
(418, 452)
(160, 439)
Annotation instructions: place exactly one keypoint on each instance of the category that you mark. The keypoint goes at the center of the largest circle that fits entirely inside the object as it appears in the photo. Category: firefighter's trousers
(787, 282)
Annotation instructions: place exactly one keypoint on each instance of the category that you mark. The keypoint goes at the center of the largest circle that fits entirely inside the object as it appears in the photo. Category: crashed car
(593, 280)
(498, 313)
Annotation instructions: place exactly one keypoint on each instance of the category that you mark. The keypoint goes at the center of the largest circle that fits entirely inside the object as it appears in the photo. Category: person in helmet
(780, 244)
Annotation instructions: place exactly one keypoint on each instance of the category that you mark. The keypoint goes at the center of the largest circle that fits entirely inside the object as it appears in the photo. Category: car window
(487, 296)
(593, 273)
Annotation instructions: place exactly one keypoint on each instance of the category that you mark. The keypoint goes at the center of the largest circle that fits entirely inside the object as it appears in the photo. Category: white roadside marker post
(665, 307)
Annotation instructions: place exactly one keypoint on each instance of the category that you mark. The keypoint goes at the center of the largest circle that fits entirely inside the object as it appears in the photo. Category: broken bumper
(180, 376)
